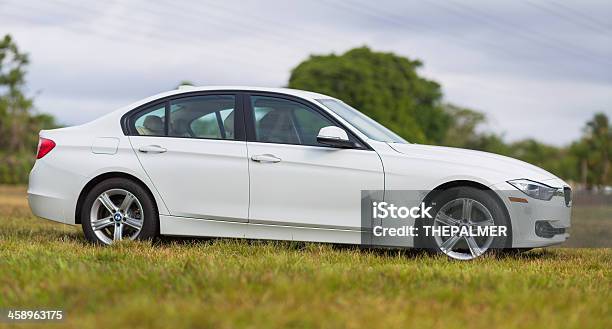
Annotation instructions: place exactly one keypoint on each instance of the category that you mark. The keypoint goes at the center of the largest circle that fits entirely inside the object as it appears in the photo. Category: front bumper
(529, 218)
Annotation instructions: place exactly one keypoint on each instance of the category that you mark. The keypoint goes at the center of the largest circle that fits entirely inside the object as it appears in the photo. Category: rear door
(296, 181)
(194, 150)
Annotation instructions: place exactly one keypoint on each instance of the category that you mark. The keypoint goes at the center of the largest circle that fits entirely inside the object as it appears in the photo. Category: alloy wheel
(468, 213)
(115, 215)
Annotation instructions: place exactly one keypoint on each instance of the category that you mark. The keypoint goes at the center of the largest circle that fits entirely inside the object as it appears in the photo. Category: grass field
(239, 284)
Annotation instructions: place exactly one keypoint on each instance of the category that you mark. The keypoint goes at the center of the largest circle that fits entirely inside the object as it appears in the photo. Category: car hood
(505, 167)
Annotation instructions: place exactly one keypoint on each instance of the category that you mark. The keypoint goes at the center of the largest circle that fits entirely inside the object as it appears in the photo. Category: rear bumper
(47, 207)
(51, 192)
(554, 214)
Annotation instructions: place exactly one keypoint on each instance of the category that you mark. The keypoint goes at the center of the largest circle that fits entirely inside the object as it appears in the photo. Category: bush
(15, 168)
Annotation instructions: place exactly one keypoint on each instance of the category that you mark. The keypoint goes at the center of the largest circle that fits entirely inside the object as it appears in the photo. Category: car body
(244, 168)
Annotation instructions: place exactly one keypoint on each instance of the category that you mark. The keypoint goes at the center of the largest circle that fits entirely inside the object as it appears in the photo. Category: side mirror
(334, 136)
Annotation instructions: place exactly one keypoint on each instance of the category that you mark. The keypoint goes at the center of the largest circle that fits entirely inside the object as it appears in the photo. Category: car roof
(287, 91)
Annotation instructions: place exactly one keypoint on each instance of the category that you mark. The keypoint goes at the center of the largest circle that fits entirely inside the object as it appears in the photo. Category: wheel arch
(102, 177)
(469, 183)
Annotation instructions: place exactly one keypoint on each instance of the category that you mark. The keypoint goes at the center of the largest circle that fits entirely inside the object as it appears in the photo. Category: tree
(594, 151)
(554, 159)
(461, 131)
(14, 105)
(19, 124)
(384, 86)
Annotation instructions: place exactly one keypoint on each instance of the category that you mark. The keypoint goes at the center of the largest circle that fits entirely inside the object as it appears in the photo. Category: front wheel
(119, 209)
(467, 209)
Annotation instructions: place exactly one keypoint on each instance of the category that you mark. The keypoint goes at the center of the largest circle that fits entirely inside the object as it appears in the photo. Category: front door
(296, 181)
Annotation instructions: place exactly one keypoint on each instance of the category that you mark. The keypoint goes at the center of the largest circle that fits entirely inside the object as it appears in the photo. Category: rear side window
(151, 122)
(203, 117)
(210, 117)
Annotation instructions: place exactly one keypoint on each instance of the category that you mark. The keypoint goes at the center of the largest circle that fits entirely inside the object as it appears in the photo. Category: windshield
(370, 128)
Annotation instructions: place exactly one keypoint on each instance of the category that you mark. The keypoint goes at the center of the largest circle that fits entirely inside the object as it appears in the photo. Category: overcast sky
(538, 69)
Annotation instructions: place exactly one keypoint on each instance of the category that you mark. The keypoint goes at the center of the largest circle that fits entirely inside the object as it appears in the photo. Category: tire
(484, 210)
(119, 209)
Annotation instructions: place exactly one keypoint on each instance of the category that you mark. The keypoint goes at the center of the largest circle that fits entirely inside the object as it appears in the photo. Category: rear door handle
(152, 149)
(266, 158)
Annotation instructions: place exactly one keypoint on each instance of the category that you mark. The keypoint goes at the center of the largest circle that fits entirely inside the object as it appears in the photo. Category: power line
(154, 41)
(586, 18)
(225, 17)
(169, 34)
(523, 33)
(206, 17)
(78, 28)
(567, 17)
(277, 27)
(212, 17)
(395, 19)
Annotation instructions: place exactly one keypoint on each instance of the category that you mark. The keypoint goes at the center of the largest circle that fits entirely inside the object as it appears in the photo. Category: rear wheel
(119, 209)
(470, 209)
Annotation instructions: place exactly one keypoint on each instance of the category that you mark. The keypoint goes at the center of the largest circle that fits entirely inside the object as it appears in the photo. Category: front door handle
(266, 158)
(152, 149)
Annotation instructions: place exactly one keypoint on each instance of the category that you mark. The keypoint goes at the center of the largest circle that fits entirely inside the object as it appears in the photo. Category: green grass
(227, 283)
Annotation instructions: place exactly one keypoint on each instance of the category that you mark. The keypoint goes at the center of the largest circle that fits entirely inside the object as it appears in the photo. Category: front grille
(567, 193)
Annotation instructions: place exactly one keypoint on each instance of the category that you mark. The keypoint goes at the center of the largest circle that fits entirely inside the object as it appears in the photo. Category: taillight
(44, 146)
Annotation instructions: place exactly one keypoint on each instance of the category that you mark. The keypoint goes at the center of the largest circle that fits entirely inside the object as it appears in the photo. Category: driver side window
(279, 120)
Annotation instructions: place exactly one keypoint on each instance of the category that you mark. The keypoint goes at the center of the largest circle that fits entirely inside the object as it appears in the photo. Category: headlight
(534, 189)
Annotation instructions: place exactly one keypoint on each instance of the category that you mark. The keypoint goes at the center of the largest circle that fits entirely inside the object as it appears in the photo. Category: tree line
(384, 86)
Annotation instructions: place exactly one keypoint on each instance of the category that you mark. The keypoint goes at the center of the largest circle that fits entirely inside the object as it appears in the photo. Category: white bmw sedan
(281, 164)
